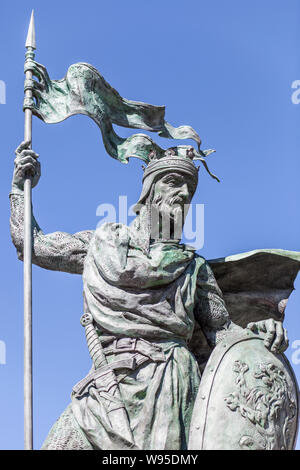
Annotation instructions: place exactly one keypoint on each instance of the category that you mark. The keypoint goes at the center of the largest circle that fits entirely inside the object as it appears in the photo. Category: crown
(180, 158)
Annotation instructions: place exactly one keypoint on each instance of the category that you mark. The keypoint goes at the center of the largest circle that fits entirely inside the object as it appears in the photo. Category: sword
(104, 379)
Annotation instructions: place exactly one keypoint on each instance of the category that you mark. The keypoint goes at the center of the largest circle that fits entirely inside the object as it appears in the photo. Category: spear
(28, 430)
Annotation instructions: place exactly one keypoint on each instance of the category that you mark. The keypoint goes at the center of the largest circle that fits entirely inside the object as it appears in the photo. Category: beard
(171, 206)
(168, 214)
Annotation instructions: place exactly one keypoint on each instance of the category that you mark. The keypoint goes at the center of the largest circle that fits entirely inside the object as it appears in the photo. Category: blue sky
(225, 68)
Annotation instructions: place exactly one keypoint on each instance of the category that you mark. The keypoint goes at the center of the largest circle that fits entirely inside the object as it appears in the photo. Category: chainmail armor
(65, 434)
(58, 251)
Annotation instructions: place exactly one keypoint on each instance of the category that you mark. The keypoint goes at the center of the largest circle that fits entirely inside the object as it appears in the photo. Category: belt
(103, 379)
(92, 379)
(122, 345)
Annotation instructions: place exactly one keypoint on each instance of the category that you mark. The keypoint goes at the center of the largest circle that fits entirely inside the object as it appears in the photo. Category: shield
(248, 398)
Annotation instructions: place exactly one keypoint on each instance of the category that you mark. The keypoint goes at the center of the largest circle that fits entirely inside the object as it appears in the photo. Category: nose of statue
(184, 191)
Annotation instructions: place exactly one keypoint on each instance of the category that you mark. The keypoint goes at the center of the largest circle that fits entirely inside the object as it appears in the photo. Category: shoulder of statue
(111, 233)
(204, 272)
(200, 259)
(111, 227)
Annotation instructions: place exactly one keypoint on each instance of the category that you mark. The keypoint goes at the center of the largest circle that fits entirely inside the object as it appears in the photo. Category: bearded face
(171, 199)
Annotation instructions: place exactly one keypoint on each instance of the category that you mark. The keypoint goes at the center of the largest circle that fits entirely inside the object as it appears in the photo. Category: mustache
(170, 201)
(175, 200)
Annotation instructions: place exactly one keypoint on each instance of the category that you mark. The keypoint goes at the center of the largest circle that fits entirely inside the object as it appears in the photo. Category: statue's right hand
(26, 165)
(38, 87)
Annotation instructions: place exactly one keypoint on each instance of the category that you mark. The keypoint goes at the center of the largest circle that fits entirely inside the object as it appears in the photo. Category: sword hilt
(93, 341)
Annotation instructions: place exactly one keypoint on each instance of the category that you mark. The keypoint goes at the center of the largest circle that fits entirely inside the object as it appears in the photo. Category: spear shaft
(28, 415)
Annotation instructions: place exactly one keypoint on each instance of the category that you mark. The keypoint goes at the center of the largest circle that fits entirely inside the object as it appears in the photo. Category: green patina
(153, 308)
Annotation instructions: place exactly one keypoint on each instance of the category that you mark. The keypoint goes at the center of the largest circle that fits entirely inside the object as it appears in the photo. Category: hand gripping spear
(28, 431)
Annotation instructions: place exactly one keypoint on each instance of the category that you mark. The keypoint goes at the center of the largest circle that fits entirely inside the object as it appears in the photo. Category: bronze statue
(153, 310)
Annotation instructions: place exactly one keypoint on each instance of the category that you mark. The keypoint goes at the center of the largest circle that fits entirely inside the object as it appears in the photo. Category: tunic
(156, 296)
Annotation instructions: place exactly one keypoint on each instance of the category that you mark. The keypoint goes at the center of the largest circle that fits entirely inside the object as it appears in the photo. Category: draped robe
(156, 297)
(169, 297)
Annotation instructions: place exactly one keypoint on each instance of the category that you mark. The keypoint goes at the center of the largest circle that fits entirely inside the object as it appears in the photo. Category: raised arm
(58, 251)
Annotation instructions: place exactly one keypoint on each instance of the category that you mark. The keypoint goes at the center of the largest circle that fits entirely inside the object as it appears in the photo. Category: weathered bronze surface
(154, 310)
(247, 399)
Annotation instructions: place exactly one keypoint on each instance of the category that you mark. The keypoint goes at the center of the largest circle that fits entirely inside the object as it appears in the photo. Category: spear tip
(30, 41)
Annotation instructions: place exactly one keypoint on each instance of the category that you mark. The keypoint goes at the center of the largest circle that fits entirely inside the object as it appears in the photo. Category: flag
(85, 91)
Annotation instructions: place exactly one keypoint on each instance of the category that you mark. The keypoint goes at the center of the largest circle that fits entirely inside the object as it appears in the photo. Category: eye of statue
(172, 180)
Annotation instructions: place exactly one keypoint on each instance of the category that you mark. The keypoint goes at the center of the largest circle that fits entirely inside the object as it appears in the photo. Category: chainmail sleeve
(210, 311)
(58, 251)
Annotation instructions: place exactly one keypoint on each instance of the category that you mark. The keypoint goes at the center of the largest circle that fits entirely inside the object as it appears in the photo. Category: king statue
(175, 354)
